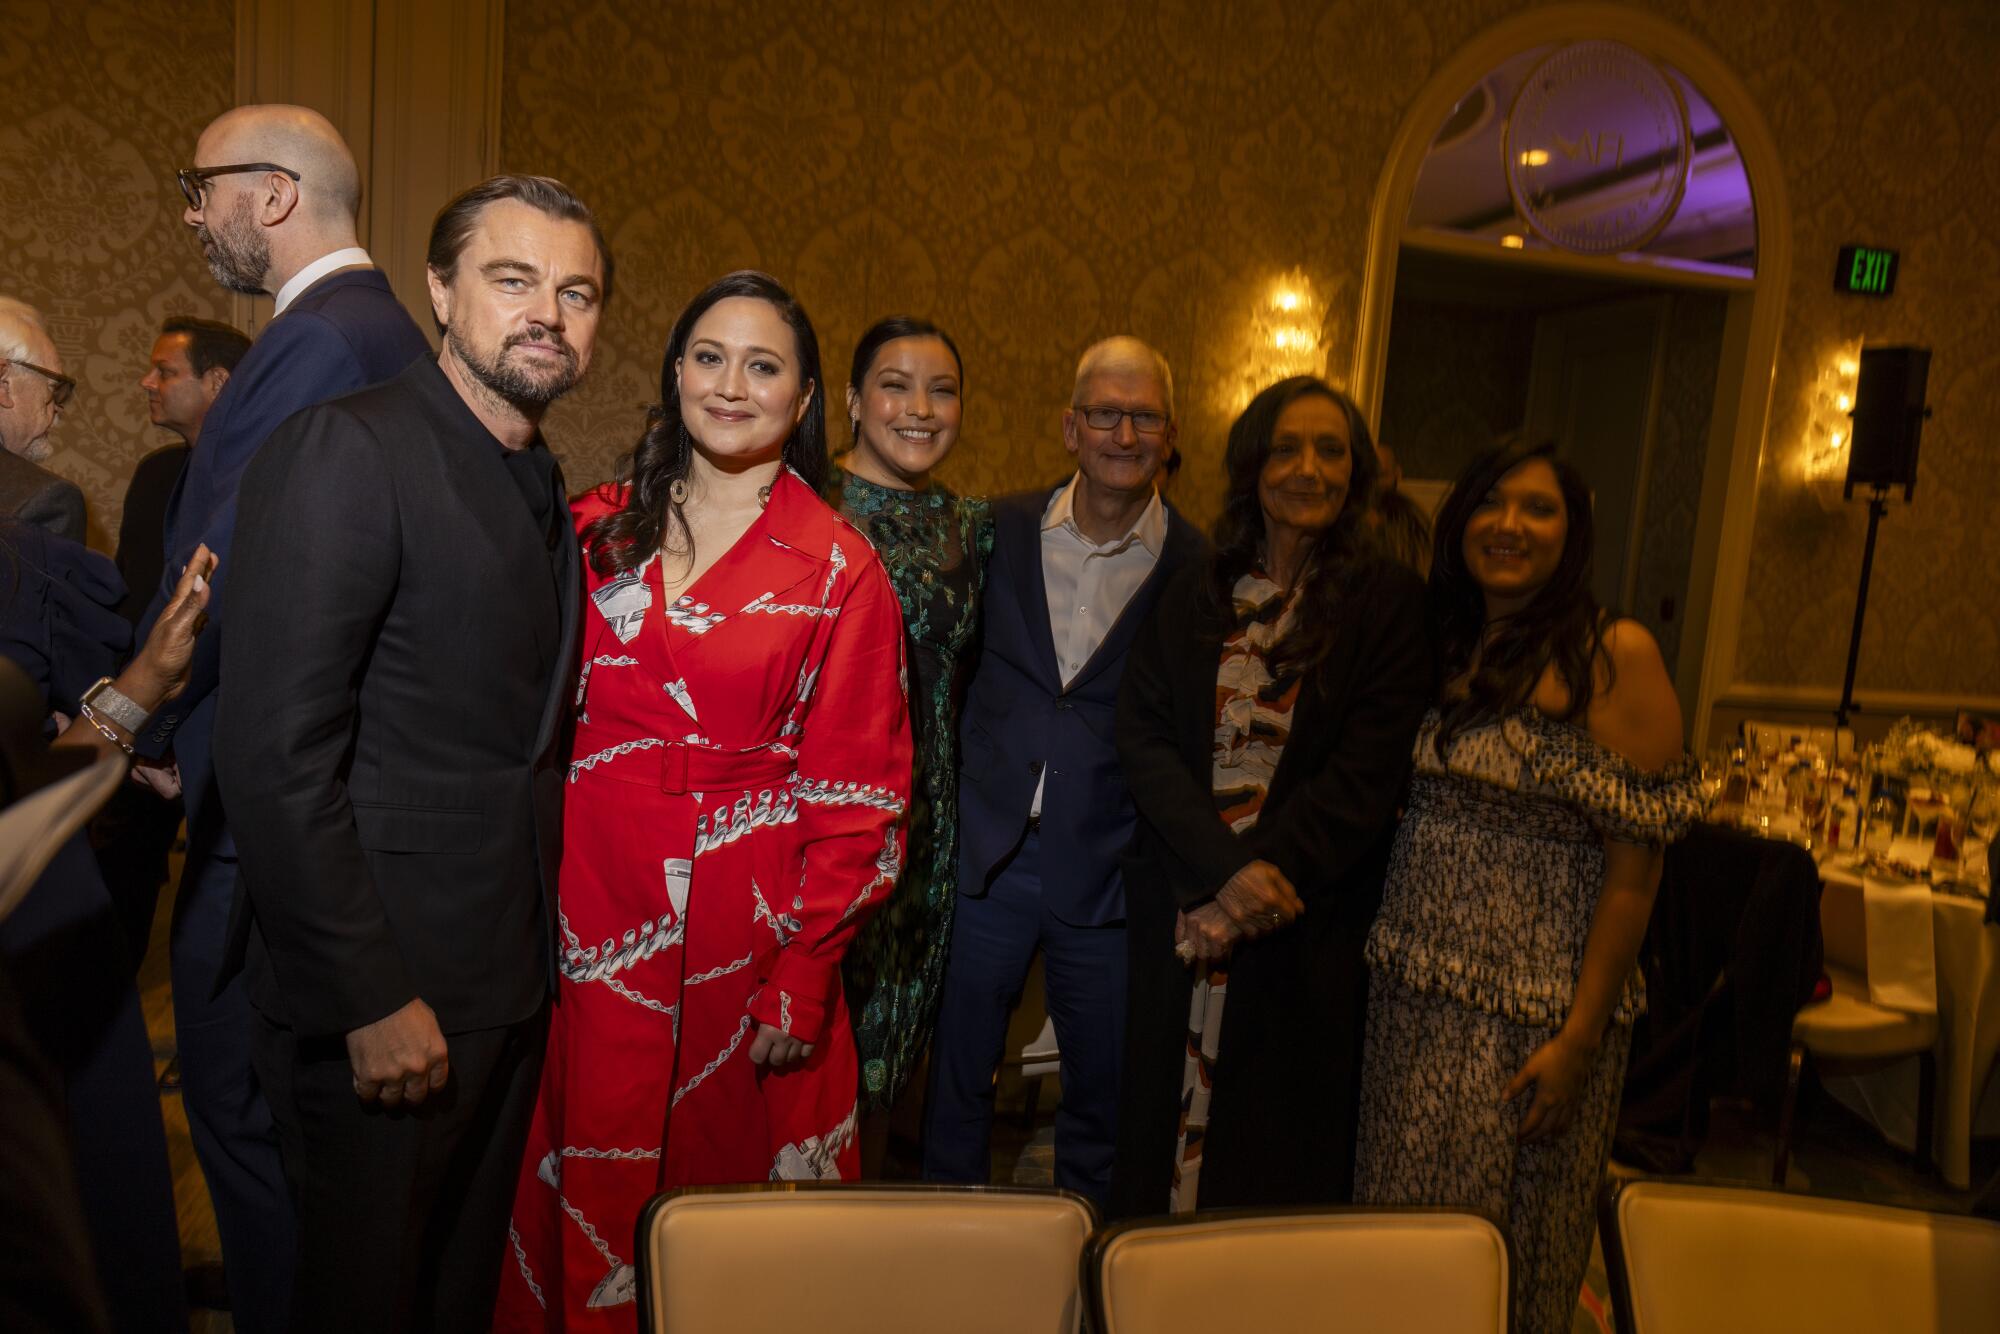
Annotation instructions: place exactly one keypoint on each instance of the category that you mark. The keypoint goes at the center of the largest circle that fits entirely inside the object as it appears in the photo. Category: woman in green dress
(904, 400)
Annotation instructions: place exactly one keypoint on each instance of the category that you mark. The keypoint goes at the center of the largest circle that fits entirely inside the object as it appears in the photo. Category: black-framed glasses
(1103, 418)
(60, 385)
(194, 180)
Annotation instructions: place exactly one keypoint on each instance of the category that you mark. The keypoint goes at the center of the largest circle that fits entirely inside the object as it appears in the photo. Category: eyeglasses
(60, 385)
(1107, 419)
(194, 180)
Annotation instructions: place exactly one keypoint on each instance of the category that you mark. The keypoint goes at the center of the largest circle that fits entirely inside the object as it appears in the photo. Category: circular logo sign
(1597, 148)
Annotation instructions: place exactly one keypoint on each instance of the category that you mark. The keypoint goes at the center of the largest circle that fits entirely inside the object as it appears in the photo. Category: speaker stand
(1878, 509)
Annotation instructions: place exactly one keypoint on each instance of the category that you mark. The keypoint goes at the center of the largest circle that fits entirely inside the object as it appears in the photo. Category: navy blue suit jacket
(1019, 717)
(344, 333)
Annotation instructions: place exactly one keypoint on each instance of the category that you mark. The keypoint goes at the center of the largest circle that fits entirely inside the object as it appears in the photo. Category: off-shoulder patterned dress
(1473, 962)
(739, 776)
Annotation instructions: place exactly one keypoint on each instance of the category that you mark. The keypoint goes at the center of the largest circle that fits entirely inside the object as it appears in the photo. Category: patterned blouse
(1498, 863)
(1253, 711)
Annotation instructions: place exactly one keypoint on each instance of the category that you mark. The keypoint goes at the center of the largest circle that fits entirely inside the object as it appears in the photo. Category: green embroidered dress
(934, 545)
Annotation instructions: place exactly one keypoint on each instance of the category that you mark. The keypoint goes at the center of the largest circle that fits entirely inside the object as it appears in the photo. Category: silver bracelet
(120, 709)
(104, 729)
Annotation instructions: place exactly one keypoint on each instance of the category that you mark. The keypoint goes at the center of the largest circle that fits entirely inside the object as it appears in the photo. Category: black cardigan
(1281, 1124)
(1343, 768)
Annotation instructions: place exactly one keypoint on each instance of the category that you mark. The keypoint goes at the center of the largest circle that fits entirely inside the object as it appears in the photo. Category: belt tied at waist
(683, 768)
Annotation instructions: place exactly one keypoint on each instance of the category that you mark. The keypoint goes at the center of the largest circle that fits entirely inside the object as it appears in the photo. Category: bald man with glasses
(33, 393)
(1044, 810)
(271, 198)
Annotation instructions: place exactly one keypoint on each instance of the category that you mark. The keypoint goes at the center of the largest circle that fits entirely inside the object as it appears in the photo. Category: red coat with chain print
(741, 767)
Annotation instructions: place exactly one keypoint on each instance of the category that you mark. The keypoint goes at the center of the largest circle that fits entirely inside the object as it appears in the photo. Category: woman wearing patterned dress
(1548, 778)
(739, 773)
(1265, 726)
(904, 400)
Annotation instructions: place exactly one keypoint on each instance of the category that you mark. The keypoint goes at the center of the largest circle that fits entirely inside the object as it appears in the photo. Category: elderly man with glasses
(271, 200)
(1045, 812)
(33, 393)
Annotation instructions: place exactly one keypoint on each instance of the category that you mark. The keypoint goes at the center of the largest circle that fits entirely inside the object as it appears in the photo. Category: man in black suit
(1044, 810)
(272, 201)
(33, 393)
(404, 604)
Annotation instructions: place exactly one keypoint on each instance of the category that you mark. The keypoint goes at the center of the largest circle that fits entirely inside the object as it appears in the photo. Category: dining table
(1929, 948)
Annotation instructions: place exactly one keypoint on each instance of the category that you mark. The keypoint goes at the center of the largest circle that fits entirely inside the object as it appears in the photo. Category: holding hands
(1256, 901)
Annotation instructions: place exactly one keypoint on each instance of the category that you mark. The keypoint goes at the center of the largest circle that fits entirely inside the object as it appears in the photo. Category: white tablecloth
(1966, 968)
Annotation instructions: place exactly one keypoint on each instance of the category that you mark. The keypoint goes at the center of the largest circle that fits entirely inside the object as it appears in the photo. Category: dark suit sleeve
(57, 507)
(1339, 813)
(314, 568)
(300, 360)
(1176, 805)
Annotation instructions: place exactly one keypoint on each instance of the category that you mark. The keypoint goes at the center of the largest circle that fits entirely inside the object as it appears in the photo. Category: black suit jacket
(389, 747)
(142, 526)
(33, 494)
(1019, 716)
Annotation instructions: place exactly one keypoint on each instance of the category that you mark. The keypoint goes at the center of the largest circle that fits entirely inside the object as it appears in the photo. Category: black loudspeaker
(1889, 417)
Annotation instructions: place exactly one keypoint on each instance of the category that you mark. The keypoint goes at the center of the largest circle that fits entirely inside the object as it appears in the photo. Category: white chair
(1411, 1271)
(1037, 1060)
(1705, 1258)
(1849, 1031)
(840, 1259)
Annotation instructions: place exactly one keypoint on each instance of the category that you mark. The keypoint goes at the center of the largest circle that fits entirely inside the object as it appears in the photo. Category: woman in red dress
(740, 770)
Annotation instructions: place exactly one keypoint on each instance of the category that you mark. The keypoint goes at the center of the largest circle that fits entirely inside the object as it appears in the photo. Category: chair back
(1410, 1271)
(848, 1259)
(1703, 1258)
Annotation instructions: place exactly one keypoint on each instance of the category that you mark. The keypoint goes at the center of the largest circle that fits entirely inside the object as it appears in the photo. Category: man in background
(33, 393)
(1399, 521)
(272, 199)
(190, 362)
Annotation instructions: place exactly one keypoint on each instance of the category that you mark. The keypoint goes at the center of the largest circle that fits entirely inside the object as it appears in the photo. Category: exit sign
(1865, 270)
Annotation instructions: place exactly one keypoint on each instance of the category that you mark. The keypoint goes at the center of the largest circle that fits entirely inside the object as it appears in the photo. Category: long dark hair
(624, 540)
(1562, 624)
(1335, 554)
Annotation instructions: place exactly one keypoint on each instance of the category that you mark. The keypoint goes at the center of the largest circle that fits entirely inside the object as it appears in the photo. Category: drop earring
(678, 492)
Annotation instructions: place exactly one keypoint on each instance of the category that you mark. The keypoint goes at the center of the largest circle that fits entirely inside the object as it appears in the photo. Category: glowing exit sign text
(1865, 271)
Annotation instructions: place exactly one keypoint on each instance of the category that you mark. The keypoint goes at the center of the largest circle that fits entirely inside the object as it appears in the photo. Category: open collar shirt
(1088, 583)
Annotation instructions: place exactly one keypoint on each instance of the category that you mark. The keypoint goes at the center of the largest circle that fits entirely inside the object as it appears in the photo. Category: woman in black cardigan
(1265, 727)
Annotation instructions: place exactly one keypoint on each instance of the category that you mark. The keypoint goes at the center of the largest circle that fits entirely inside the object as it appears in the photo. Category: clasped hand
(1256, 901)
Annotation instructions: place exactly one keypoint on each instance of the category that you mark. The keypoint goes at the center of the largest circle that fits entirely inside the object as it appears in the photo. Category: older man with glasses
(1045, 812)
(271, 199)
(33, 393)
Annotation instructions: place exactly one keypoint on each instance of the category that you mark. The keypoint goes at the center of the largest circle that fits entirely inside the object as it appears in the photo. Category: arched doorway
(1752, 303)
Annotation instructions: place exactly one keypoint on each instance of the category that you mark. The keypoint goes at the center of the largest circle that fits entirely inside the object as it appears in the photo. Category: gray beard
(238, 254)
(524, 389)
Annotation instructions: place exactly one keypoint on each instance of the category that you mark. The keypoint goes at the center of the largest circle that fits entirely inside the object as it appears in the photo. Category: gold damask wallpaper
(1037, 173)
(104, 101)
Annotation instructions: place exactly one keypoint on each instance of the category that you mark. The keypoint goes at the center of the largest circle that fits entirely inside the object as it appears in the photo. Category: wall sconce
(1285, 334)
(1829, 428)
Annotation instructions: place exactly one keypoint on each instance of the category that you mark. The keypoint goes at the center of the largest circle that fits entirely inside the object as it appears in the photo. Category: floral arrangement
(1911, 751)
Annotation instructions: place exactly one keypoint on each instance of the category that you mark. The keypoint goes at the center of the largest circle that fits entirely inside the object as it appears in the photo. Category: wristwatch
(104, 698)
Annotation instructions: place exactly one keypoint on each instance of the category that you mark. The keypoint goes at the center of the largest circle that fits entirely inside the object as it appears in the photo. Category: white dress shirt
(351, 257)
(1088, 583)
